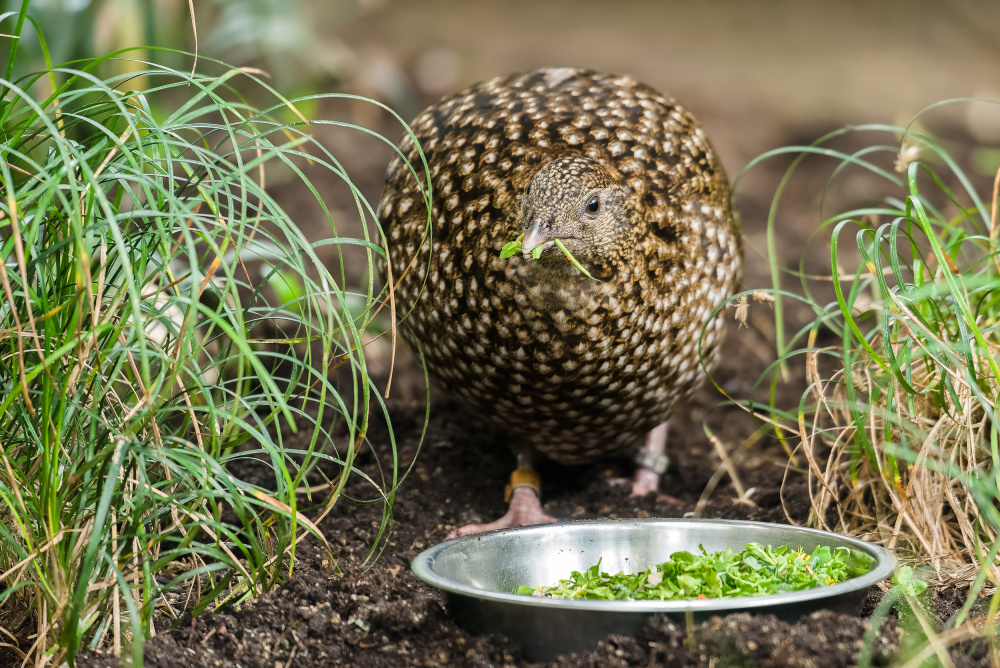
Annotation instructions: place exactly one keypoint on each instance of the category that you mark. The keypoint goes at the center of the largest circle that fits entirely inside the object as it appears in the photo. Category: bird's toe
(525, 509)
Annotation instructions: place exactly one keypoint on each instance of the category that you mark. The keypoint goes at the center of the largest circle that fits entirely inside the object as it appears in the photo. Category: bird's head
(580, 203)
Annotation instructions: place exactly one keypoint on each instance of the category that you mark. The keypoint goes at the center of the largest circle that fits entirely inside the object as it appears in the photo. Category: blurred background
(755, 73)
(759, 75)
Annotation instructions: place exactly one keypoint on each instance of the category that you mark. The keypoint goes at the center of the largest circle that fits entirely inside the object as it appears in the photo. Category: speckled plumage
(578, 368)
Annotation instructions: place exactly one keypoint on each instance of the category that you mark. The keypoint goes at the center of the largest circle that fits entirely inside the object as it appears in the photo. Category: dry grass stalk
(923, 513)
(898, 427)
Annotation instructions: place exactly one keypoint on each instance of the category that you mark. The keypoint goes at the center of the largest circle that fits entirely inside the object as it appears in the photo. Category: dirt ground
(385, 616)
(336, 612)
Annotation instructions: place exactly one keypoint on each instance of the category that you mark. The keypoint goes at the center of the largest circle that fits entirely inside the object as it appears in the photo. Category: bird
(584, 344)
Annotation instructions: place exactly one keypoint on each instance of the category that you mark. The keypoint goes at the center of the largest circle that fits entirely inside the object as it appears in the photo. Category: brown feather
(579, 368)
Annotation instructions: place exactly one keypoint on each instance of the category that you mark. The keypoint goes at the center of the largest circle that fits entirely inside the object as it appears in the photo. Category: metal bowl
(478, 574)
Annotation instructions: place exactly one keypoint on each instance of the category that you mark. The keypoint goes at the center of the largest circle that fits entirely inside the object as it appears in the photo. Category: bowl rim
(423, 568)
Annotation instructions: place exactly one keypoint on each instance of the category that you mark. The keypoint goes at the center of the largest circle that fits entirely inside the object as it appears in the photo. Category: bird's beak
(533, 238)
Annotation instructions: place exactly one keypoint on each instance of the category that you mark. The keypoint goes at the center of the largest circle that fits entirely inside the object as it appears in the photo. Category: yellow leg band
(523, 478)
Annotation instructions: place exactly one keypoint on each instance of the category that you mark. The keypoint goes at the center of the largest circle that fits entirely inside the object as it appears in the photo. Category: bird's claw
(525, 509)
(646, 482)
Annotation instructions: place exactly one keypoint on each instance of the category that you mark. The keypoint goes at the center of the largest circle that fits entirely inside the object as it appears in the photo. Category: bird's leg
(653, 461)
(524, 496)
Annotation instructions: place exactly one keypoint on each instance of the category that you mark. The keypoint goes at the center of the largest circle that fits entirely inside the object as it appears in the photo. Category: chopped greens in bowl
(754, 571)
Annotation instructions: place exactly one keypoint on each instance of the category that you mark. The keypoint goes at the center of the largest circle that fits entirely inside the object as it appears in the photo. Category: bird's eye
(594, 205)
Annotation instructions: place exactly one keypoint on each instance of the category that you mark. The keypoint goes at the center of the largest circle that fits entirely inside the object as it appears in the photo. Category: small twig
(194, 31)
(34, 555)
(706, 493)
(692, 642)
(994, 231)
(720, 450)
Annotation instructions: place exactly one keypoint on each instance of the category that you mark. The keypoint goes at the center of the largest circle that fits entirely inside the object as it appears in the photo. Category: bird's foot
(647, 481)
(525, 508)
(652, 463)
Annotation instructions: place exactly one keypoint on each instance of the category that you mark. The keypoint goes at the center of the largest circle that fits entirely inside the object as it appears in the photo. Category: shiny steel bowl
(478, 574)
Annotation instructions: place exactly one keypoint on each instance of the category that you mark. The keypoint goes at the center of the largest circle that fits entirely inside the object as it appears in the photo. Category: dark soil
(385, 616)
(337, 612)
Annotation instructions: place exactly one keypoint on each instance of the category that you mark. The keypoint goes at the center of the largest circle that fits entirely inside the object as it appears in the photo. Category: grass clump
(906, 415)
(755, 570)
(142, 353)
(897, 429)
